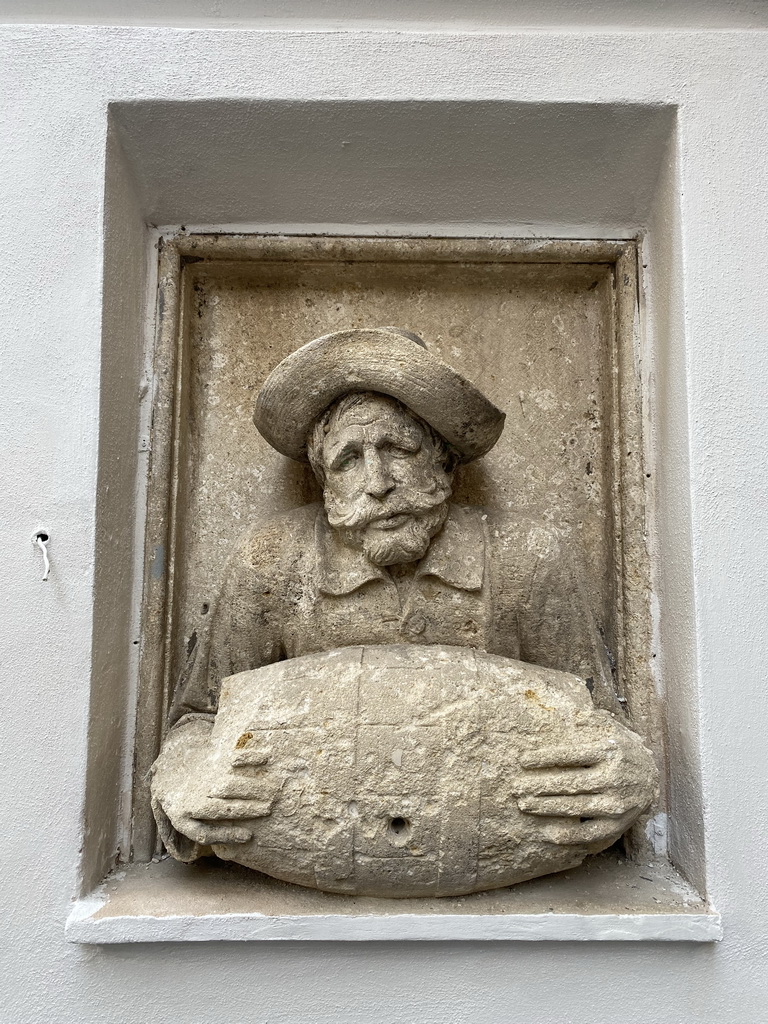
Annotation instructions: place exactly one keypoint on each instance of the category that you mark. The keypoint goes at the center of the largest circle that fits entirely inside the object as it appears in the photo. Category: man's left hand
(584, 794)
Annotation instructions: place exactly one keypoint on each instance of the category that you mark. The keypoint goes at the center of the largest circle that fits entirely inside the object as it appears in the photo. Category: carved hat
(382, 359)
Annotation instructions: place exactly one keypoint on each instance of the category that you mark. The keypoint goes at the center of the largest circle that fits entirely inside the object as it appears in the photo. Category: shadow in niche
(473, 485)
(392, 161)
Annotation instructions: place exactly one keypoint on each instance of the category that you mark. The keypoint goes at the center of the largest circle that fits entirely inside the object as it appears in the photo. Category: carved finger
(551, 782)
(239, 789)
(563, 757)
(598, 830)
(602, 805)
(214, 809)
(207, 834)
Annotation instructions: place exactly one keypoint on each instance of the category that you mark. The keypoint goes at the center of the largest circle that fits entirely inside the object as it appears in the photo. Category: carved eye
(398, 452)
(347, 462)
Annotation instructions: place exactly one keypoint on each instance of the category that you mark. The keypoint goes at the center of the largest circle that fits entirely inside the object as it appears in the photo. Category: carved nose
(378, 482)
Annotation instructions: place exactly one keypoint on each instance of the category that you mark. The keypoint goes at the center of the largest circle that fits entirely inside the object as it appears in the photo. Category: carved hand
(191, 796)
(589, 792)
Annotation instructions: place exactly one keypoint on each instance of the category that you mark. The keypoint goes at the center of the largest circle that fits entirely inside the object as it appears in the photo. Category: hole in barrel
(399, 825)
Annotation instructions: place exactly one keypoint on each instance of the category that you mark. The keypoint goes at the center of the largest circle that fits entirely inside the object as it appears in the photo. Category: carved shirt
(498, 584)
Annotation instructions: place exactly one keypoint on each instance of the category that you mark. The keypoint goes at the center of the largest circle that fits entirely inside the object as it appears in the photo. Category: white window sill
(607, 899)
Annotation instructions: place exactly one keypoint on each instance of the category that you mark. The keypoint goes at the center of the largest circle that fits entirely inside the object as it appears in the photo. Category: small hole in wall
(204, 610)
(399, 826)
(585, 819)
(43, 536)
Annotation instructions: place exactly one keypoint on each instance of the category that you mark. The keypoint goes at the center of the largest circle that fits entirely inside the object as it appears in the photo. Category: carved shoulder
(275, 547)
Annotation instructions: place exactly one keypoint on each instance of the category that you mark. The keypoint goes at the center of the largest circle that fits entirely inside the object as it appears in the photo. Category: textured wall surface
(67, 362)
(535, 339)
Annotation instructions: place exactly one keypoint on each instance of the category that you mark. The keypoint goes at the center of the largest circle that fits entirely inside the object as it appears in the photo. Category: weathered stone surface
(535, 338)
(401, 770)
(310, 744)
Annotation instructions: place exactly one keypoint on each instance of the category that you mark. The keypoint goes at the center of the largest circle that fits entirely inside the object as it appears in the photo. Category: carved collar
(456, 556)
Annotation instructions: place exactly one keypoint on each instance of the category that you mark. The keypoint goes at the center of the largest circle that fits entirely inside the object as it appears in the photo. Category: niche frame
(157, 899)
(630, 498)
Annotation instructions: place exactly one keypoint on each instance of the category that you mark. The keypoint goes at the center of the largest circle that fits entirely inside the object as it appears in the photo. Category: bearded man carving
(386, 558)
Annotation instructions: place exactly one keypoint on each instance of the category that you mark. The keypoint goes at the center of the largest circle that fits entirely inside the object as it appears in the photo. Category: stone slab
(606, 899)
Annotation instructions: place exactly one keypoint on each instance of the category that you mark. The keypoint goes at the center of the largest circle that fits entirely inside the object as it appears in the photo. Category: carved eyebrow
(405, 438)
(348, 448)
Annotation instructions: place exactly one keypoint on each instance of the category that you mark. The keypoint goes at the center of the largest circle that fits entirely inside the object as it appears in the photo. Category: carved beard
(405, 543)
(360, 524)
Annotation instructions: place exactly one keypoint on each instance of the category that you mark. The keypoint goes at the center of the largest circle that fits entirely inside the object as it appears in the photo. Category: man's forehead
(373, 408)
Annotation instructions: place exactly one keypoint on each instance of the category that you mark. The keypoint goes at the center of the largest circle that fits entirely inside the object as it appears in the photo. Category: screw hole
(399, 825)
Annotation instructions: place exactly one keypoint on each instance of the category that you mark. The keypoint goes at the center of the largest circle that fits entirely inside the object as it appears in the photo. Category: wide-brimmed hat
(382, 359)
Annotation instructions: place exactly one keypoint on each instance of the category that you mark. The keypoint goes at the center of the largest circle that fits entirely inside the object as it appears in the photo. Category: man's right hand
(195, 800)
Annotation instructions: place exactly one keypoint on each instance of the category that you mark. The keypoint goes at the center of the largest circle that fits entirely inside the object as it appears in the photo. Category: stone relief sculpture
(399, 696)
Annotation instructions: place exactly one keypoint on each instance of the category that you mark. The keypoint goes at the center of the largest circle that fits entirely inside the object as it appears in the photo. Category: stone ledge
(606, 899)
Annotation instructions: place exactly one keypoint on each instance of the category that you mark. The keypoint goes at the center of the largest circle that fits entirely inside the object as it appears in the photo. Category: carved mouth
(391, 522)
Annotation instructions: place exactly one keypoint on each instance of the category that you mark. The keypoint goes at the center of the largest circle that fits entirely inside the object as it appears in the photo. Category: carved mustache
(366, 510)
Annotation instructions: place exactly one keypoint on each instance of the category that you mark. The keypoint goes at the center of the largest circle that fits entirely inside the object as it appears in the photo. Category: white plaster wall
(398, 14)
(709, 324)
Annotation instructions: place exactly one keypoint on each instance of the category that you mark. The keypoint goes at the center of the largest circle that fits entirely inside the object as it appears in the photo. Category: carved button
(416, 624)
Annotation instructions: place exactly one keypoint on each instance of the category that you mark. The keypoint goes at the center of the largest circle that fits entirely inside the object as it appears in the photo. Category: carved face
(385, 483)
